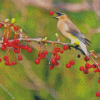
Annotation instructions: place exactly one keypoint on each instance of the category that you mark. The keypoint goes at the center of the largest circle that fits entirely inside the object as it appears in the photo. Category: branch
(47, 41)
(96, 56)
(77, 7)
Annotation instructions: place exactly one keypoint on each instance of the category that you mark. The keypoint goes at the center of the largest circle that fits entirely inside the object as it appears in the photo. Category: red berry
(61, 51)
(3, 48)
(86, 58)
(10, 64)
(51, 67)
(5, 44)
(51, 13)
(53, 60)
(16, 28)
(1, 25)
(56, 63)
(14, 63)
(5, 40)
(98, 94)
(86, 71)
(99, 81)
(90, 66)
(5, 57)
(68, 65)
(17, 51)
(86, 65)
(0, 59)
(16, 41)
(21, 46)
(65, 47)
(10, 44)
(45, 52)
(39, 54)
(72, 62)
(94, 65)
(42, 56)
(20, 57)
(57, 57)
(39, 58)
(95, 71)
(54, 52)
(7, 63)
(26, 47)
(81, 68)
(30, 50)
(37, 61)
(15, 46)
(58, 49)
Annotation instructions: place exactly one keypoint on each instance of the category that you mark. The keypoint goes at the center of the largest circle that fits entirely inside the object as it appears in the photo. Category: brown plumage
(65, 26)
(70, 31)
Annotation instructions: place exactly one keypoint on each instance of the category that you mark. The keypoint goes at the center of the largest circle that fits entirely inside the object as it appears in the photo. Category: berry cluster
(6, 58)
(41, 55)
(89, 66)
(55, 57)
(72, 62)
(16, 43)
(86, 71)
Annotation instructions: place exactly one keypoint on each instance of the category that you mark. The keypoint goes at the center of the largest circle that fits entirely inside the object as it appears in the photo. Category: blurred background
(27, 81)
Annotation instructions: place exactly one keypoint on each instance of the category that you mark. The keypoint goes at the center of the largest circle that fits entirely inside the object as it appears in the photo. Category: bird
(67, 28)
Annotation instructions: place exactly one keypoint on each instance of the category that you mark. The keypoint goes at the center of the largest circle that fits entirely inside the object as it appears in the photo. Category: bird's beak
(59, 14)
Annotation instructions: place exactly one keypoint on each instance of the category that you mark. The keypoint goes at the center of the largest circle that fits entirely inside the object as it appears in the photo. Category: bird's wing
(77, 33)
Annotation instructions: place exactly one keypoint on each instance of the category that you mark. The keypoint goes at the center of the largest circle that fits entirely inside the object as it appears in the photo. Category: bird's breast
(63, 28)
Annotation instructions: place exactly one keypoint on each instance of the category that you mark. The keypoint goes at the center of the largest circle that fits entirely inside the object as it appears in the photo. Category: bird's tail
(83, 47)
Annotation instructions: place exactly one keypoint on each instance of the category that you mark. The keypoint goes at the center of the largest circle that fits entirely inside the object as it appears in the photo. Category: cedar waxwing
(70, 31)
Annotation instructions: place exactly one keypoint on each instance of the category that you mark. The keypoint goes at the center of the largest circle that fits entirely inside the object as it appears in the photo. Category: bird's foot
(76, 47)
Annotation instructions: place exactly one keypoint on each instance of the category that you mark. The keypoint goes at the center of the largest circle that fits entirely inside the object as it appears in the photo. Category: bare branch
(77, 7)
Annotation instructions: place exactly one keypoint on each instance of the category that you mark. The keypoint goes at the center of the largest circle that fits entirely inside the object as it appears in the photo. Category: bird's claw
(76, 47)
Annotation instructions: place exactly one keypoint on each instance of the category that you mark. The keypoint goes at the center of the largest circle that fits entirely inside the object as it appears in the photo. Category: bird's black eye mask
(59, 14)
